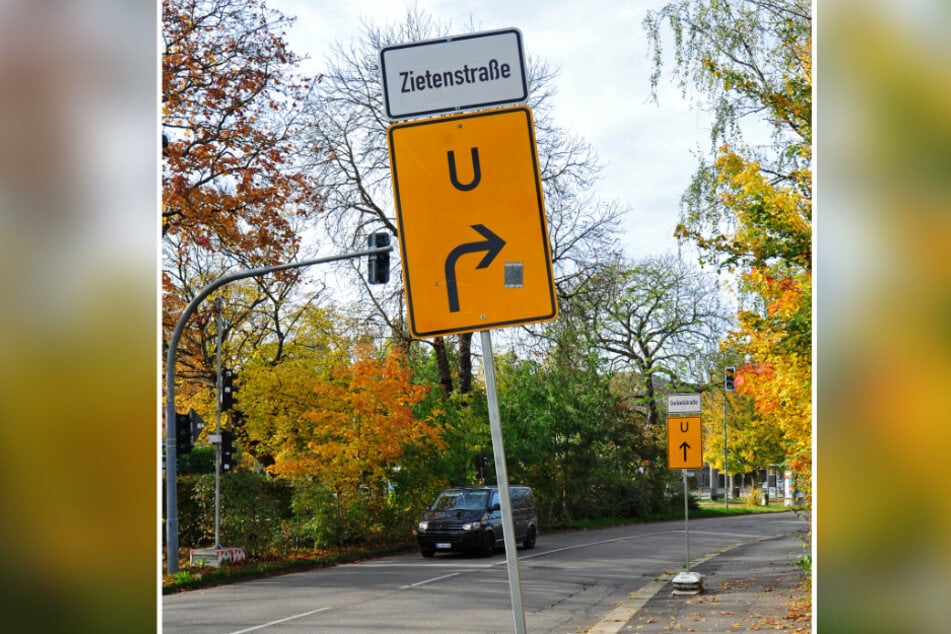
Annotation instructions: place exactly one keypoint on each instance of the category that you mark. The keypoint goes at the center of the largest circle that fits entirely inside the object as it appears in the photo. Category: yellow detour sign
(471, 216)
(684, 449)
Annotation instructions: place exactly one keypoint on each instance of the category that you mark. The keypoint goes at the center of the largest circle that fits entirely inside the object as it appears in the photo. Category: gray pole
(726, 469)
(220, 386)
(686, 523)
(171, 450)
(508, 525)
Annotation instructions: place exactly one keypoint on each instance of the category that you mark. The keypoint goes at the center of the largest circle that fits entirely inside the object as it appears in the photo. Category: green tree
(659, 319)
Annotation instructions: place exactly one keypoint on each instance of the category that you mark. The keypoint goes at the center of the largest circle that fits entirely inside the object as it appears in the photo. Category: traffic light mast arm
(171, 466)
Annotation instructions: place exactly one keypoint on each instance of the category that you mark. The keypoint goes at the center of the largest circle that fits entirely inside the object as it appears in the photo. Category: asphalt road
(569, 582)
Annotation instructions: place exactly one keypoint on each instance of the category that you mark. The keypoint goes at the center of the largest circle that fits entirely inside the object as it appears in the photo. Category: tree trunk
(442, 363)
(465, 363)
(653, 417)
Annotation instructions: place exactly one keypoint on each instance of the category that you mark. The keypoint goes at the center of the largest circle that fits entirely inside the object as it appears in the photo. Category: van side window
(494, 499)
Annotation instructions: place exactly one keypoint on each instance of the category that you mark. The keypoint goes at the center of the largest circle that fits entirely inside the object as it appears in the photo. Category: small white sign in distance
(683, 404)
(460, 72)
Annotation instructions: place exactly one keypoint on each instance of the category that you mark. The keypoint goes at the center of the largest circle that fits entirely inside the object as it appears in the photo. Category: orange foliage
(227, 91)
(363, 423)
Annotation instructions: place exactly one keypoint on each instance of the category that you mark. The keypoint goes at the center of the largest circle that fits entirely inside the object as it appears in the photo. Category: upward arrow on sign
(684, 443)
(685, 447)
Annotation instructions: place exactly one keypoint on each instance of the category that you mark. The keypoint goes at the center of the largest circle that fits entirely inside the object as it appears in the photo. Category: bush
(756, 497)
(676, 503)
(200, 459)
(253, 509)
(323, 519)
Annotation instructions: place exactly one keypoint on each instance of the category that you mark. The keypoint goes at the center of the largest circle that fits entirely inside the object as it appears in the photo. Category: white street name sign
(683, 404)
(460, 72)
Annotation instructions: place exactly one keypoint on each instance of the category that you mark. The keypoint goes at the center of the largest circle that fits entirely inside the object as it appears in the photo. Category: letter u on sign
(476, 171)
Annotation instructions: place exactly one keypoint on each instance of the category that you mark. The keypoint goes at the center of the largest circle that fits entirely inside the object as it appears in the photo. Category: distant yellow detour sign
(684, 447)
(471, 215)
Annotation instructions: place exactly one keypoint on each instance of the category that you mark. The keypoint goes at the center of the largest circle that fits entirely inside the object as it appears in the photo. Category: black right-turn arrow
(492, 245)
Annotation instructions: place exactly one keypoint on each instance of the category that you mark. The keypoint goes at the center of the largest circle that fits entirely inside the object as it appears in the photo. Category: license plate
(443, 545)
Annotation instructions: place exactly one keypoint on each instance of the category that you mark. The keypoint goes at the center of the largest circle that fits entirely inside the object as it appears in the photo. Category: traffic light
(227, 389)
(183, 433)
(197, 423)
(227, 450)
(378, 271)
(728, 375)
(482, 466)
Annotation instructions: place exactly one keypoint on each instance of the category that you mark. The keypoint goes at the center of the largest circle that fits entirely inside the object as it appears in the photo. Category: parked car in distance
(470, 518)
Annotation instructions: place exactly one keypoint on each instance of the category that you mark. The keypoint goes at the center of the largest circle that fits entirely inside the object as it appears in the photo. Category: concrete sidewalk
(753, 587)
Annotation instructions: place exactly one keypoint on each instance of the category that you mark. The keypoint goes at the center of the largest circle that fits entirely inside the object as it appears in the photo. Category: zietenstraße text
(417, 81)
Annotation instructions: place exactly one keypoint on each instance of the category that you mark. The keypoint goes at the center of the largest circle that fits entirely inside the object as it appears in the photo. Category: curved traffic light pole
(171, 450)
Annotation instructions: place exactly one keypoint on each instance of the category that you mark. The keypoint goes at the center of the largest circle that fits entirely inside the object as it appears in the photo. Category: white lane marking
(434, 579)
(737, 535)
(290, 618)
(413, 564)
(598, 543)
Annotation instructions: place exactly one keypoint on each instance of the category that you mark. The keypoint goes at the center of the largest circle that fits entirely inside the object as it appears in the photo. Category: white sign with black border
(683, 404)
(455, 73)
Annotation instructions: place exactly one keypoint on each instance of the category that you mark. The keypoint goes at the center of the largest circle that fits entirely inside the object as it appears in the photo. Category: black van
(470, 518)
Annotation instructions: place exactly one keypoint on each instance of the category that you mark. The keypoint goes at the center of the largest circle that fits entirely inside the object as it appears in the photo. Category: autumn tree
(749, 206)
(754, 441)
(352, 164)
(229, 117)
(336, 417)
(232, 196)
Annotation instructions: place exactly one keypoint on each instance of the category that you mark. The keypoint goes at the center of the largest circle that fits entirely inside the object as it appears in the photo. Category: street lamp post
(171, 453)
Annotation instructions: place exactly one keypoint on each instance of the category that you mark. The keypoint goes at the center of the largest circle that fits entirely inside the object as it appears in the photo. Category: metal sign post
(469, 185)
(686, 524)
(685, 451)
(508, 524)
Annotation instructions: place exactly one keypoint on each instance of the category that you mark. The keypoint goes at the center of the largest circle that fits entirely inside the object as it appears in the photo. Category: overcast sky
(602, 89)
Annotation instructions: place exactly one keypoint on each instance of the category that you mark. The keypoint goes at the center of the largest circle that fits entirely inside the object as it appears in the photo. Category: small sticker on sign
(513, 274)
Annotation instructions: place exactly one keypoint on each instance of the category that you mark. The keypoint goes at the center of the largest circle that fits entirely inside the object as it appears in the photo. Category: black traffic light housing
(183, 433)
(378, 271)
(227, 450)
(227, 389)
(728, 376)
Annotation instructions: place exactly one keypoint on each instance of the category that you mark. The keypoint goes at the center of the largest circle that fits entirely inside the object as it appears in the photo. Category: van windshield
(460, 500)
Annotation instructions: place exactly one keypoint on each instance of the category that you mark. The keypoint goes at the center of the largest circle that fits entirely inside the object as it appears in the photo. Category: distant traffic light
(482, 466)
(197, 424)
(227, 450)
(728, 376)
(227, 389)
(378, 271)
(183, 433)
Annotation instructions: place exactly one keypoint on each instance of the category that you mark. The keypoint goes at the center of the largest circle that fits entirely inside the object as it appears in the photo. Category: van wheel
(427, 552)
(487, 547)
(529, 542)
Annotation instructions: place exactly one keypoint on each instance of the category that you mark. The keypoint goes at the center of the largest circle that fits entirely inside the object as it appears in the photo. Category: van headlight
(472, 526)
(423, 526)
